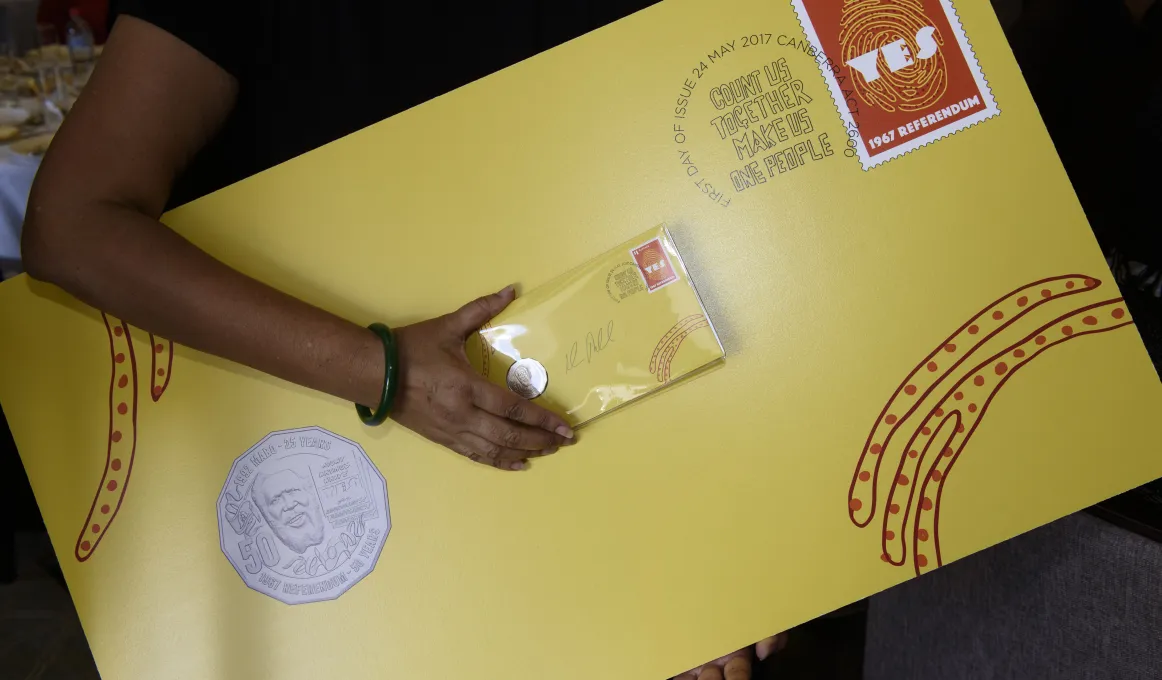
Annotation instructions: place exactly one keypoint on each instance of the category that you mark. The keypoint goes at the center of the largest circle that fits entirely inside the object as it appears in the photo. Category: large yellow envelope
(889, 248)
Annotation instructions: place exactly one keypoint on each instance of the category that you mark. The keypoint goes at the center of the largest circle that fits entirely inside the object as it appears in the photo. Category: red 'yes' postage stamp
(902, 72)
(654, 264)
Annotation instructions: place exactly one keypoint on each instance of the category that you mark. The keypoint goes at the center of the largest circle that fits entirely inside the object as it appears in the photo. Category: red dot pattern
(855, 504)
(112, 484)
(1000, 368)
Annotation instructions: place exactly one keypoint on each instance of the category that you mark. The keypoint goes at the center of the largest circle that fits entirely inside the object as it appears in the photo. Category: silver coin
(303, 515)
(528, 378)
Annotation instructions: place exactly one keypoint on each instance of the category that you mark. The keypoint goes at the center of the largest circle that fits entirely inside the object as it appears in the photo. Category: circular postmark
(528, 378)
(753, 111)
(624, 280)
(303, 515)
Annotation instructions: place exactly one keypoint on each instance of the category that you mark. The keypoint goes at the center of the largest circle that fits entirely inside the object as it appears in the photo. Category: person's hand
(736, 666)
(442, 398)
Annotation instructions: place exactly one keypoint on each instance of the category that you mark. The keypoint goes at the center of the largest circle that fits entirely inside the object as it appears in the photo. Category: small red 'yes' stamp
(654, 264)
(901, 72)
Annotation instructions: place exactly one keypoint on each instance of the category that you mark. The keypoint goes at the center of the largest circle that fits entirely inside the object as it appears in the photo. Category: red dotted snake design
(956, 386)
(668, 346)
(121, 443)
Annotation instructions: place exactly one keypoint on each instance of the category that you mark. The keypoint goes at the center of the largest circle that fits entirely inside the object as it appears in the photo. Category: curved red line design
(157, 389)
(80, 552)
(914, 482)
(935, 534)
(670, 352)
(121, 435)
(963, 404)
(854, 505)
(677, 328)
(485, 349)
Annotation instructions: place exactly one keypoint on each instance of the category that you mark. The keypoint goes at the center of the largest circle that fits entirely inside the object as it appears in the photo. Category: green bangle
(390, 378)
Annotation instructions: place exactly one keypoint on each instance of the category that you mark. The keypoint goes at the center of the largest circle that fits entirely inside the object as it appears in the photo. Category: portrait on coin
(289, 503)
(522, 380)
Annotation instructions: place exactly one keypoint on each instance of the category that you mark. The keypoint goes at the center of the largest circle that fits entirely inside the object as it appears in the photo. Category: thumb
(469, 318)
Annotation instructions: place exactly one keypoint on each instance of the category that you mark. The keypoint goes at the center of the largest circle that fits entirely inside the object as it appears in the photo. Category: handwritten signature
(595, 342)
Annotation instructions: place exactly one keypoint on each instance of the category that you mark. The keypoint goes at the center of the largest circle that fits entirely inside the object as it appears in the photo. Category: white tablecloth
(16, 173)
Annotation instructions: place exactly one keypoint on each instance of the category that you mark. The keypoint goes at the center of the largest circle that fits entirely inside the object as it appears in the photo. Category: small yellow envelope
(620, 327)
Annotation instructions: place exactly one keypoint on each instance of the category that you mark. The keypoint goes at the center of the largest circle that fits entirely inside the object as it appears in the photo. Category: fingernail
(771, 645)
(520, 465)
(764, 649)
(565, 432)
(507, 290)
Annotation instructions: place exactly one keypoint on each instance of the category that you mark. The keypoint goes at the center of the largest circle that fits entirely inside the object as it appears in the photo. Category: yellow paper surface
(602, 335)
(686, 526)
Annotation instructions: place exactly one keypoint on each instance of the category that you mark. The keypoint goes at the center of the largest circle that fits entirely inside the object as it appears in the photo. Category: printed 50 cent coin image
(303, 515)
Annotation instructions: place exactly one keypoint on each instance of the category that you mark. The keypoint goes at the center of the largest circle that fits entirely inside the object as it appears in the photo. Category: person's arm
(92, 228)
